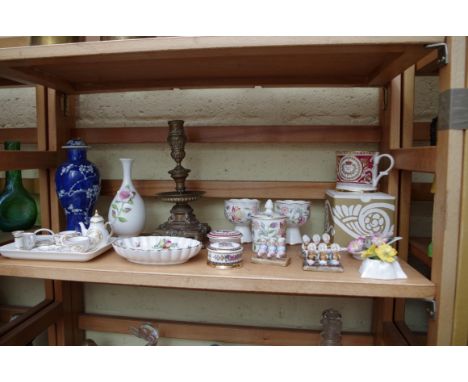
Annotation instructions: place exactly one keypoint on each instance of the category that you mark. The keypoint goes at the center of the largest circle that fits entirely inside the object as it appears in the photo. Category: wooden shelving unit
(62, 71)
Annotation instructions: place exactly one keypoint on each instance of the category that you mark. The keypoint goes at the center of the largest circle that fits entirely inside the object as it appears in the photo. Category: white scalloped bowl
(156, 250)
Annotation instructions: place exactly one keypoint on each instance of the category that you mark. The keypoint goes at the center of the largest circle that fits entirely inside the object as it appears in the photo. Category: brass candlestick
(182, 221)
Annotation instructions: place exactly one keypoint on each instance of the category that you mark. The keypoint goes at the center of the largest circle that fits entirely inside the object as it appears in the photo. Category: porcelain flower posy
(384, 252)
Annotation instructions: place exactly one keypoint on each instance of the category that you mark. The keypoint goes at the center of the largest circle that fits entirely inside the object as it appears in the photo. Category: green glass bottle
(18, 209)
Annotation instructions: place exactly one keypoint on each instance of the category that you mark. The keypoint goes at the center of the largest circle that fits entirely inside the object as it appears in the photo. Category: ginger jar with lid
(267, 225)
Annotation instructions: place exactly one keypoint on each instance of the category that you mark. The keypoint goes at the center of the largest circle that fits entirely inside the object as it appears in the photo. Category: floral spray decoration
(123, 204)
(375, 247)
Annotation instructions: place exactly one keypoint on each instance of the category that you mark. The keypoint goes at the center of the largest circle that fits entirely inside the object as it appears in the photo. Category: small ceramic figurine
(321, 255)
(271, 251)
(316, 239)
(305, 243)
(271, 248)
(335, 260)
(323, 258)
(326, 238)
(281, 250)
(263, 248)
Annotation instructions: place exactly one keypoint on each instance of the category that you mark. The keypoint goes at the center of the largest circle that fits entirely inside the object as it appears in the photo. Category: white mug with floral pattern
(127, 211)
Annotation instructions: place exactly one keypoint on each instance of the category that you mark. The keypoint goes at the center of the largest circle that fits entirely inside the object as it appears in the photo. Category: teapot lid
(97, 218)
(268, 214)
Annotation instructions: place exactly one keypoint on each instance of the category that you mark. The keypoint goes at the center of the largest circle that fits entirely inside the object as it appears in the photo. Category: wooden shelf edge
(229, 189)
(196, 274)
(233, 188)
(22, 160)
(225, 134)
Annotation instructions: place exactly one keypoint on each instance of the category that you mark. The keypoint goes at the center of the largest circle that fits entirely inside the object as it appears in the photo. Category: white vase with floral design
(297, 213)
(127, 210)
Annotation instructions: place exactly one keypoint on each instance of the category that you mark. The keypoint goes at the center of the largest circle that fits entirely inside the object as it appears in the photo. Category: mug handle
(44, 229)
(385, 172)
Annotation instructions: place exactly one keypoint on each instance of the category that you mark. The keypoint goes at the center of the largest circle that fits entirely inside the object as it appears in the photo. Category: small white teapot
(97, 230)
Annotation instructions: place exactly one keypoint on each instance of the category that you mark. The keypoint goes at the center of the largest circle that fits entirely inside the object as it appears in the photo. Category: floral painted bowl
(157, 250)
(240, 212)
(297, 213)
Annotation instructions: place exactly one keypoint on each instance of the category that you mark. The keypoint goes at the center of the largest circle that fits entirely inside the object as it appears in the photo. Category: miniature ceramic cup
(29, 240)
(18, 236)
(78, 244)
(297, 213)
(239, 212)
(358, 170)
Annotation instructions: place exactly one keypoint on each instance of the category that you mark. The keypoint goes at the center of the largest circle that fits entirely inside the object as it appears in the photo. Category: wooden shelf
(196, 274)
(195, 62)
(422, 159)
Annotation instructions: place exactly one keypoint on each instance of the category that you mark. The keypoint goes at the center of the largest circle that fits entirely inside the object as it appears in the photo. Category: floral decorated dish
(157, 250)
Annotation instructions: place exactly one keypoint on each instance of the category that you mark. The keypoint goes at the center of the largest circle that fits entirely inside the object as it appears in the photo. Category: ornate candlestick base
(182, 221)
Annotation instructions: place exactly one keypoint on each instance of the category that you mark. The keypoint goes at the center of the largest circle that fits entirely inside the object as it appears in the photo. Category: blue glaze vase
(78, 184)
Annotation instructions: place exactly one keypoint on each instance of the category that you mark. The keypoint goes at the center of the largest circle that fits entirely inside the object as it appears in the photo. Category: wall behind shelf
(249, 161)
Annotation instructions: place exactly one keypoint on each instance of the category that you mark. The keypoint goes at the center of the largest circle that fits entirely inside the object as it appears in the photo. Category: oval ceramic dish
(157, 250)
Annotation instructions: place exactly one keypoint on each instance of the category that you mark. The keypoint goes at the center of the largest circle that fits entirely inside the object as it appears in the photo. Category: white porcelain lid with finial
(97, 218)
(268, 213)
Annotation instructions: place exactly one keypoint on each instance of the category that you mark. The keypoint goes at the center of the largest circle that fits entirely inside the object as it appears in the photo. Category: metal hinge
(431, 309)
(442, 50)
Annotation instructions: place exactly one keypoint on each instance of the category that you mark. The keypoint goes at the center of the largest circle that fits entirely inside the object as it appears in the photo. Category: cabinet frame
(55, 105)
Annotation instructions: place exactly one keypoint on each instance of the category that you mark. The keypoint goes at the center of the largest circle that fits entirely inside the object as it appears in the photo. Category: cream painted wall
(217, 162)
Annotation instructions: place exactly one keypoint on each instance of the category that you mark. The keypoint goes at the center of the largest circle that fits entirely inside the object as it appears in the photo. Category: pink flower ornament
(356, 246)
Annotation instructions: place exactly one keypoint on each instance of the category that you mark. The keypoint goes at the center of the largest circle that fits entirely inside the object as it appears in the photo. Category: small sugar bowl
(225, 255)
(224, 236)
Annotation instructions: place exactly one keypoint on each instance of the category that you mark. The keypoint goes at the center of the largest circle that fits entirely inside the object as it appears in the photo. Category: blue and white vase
(78, 184)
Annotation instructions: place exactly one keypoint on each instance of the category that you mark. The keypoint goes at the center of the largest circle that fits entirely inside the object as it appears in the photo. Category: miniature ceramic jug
(97, 230)
(267, 225)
